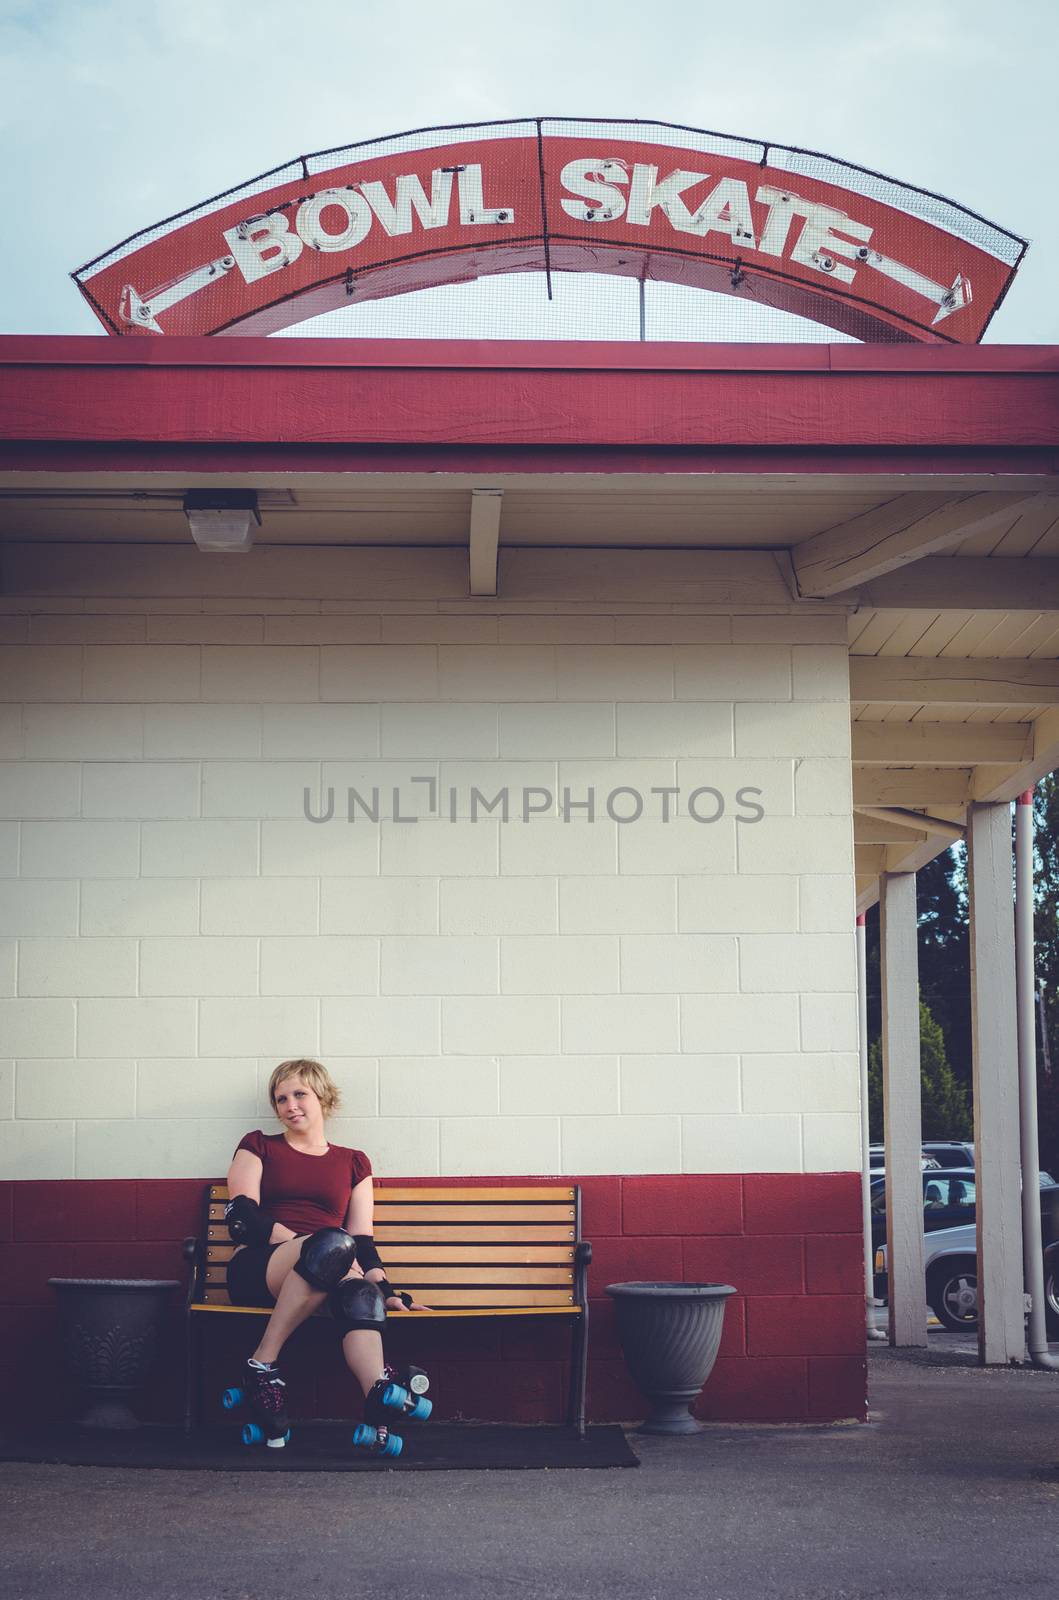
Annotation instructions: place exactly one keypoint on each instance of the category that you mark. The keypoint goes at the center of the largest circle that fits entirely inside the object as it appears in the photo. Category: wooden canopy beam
(941, 744)
(484, 539)
(968, 583)
(950, 680)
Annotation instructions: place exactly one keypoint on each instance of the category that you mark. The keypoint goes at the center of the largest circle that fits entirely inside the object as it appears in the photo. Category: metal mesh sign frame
(802, 231)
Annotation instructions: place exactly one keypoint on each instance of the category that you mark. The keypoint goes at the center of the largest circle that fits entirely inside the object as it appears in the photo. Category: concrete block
(8, 954)
(722, 1022)
(201, 848)
(132, 906)
(744, 1143)
(78, 628)
(379, 905)
(260, 905)
(746, 784)
(498, 906)
(147, 789)
(489, 779)
(814, 628)
(67, 1088)
(80, 849)
(197, 965)
(438, 1086)
(672, 630)
(416, 731)
(399, 1147)
(7, 1090)
(384, 1025)
(504, 672)
(799, 844)
(378, 672)
(430, 628)
(799, 728)
(439, 849)
(566, 1084)
(407, 788)
(322, 630)
(500, 1024)
(173, 1086)
(681, 847)
(307, 849)
(559, 964)
(316, 732)
(826, 902)
(83, 732)
(317, 966)
(771, 963)
(679, 1084)
(675, 963)
(556, 730)
(613, 1024)
(42, 908)
(39, 789)
(625, 672)
(9, 832)
(285, 1026)
(32, 672)
(260, 789)
(820, 671)
(619, 791)
(545, 846)
(77, 967)
(728, 903)
(802, 1081)
(732, 671)
(260, 673)
(829, 1021)
(205, 630)
(12, 744)
(617, 905)
(136, 1028)
(36, 1150)
(439, 965)
(135, 673)
(500, 1146)
(172, 732)
(143, 1147)
(831, 1141)
(823, 787)
(560, 629)
(620, 1144)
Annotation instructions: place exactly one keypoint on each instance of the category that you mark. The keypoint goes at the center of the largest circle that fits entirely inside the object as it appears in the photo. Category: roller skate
(262, 1392)
(385, 1404)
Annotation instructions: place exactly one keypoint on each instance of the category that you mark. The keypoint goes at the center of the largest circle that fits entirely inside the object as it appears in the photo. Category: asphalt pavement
(950, 1492)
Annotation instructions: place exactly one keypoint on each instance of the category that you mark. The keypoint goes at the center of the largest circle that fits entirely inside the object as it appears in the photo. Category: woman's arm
(244, 1177)
(359, 1220)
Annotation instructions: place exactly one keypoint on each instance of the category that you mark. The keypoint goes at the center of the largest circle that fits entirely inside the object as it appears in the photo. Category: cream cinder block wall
(560, 994)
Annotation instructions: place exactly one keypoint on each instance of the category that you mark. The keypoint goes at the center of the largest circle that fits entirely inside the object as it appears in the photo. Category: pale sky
(116, 113)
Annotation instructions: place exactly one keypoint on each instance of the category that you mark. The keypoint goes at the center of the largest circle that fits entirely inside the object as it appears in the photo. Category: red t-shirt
(305, 1192)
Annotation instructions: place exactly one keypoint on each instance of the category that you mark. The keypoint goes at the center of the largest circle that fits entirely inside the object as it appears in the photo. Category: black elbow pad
(246, 1221)
(367, 1255)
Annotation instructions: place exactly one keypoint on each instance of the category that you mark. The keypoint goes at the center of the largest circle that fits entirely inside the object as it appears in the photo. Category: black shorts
(247, 1283)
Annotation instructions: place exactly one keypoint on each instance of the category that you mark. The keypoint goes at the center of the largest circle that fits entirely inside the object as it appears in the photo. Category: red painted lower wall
(793, 1347)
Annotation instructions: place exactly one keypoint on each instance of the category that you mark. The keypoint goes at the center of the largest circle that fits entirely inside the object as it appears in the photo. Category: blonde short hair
(313, 1073)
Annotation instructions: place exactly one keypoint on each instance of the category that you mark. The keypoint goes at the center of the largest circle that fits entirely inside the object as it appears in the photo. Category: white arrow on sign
(143, 311)
(946, 300)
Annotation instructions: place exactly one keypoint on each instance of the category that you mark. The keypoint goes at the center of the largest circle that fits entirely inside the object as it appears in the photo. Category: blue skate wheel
(362, 1434)
(393, 1446)
(252, 1434)
(231, 1398)
(395, 1396)
(421, 1410)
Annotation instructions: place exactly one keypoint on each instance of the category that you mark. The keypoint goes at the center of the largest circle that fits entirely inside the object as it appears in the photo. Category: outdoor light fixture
(222, 520)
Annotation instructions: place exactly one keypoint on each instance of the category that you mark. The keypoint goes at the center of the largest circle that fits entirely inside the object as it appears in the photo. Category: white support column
(902, 1109)
(994, 1042)
(865, 1136)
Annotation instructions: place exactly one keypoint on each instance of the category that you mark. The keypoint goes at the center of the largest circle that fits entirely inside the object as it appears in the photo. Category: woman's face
(298, 1106)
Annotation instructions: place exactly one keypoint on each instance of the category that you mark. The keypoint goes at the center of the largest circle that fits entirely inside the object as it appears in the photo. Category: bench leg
(191, 1379)
(579, 1372)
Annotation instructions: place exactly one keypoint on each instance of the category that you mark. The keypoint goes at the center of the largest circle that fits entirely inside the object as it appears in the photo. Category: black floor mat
(321, 1447)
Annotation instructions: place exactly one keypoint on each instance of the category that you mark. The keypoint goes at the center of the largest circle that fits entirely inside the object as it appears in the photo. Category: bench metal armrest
(191, 1250)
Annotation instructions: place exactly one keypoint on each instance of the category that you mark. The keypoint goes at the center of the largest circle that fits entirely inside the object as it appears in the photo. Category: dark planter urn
(109, 1332)
(670, 1333)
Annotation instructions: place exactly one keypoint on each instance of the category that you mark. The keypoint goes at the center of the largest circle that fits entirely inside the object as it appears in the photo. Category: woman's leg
(295, 1300)
(362, 1348)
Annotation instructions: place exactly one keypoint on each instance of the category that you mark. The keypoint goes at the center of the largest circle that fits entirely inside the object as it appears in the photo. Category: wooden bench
(468, 1251)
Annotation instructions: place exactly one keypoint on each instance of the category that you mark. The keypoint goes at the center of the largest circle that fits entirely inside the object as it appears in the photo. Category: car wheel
(1051, 1302)
(952, 1291)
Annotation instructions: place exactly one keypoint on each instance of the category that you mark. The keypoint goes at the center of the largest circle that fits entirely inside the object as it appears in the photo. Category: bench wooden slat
(463, 1193)
(484, 1295)
(487, 1233)
(410, 1277)
(400, 1254)
(441, 1213)
(438, 1311)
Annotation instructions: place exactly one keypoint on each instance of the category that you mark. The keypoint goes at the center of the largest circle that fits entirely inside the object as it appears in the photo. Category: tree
(944, 1102)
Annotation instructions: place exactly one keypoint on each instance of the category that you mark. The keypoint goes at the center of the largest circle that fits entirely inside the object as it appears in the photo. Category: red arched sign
(845, 247)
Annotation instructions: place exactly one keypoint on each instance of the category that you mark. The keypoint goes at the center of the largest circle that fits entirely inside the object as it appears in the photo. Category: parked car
(948, 1201)
(951, 1266)
(877, 1159)
(950, 1152)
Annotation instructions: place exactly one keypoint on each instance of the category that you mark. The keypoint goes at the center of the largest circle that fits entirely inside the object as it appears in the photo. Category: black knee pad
(357, 1303)
(326, 1257)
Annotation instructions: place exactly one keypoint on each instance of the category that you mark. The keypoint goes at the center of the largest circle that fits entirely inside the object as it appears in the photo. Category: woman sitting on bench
(300, 1212)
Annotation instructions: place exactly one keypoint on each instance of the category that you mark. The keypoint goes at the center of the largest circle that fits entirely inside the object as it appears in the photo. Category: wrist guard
(367, 1255)
(246, 1222)
(388, 1292)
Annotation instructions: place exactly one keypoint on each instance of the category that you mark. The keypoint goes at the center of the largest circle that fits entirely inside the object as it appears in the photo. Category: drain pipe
(865, 1158)
(1032, 1245)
